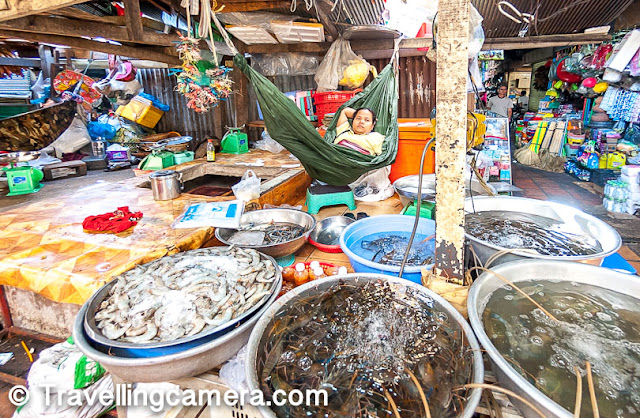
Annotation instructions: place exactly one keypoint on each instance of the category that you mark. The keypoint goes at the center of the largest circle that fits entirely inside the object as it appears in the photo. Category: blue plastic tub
(384, 223)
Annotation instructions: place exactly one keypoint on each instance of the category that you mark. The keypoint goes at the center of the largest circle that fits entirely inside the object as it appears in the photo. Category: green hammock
(332, 164)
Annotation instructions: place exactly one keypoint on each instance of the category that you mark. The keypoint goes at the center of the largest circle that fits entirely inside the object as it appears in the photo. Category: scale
(161, 158)
(235, 141)
(22, 179)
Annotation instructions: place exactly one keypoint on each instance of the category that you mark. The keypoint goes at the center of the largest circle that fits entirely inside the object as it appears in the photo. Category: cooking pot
(166, 184)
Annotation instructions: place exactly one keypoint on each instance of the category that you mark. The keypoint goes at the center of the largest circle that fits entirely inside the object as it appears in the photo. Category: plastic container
(571, 150)
(412, 137)
(183, 157)
(141, 111)
(330, 101)
(384, 223)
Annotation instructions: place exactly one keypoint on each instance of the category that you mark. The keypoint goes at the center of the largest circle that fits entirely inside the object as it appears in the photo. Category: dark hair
(373, 114)
(523, 93)
(503, 85)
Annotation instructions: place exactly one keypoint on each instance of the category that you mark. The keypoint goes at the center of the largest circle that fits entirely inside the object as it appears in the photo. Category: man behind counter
(501, 104)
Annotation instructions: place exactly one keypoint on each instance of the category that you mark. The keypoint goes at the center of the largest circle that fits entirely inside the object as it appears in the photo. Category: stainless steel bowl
(264, 216)
(589, 225)
(291, 298)
(525, 270)
(94, 333)
(407, 188)
(187, 363)
(327, 232)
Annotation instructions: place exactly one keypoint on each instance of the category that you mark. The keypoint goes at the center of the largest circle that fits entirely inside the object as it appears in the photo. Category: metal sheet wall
(417, 85)
(160, 84)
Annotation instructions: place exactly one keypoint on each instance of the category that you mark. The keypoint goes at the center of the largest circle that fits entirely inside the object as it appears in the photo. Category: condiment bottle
(314, 264)
(342, 270)
(330, 271)
(318, 272)
(288, 274)
(301, 275)
(211, 151)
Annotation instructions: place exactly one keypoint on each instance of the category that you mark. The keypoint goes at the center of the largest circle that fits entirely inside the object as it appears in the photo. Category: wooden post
(451, 122)
(134, 20)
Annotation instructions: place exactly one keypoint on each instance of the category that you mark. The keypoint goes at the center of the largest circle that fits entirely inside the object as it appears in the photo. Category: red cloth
(112, 222)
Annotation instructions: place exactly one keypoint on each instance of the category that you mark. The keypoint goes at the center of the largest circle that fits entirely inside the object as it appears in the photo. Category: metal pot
(166, 184)
(525, 270)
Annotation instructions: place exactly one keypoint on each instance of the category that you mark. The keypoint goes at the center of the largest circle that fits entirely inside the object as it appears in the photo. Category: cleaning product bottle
(211, 151)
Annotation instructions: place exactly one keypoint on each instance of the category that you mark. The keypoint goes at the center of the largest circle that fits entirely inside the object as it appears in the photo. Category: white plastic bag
(332, 68)
(269, 144)
(248, 188)
(75, 137)
(232, 372)
(373, 186)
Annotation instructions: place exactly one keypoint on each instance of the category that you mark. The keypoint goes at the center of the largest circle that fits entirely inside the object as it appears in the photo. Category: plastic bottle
(342, 270)
(288, 274)
(301, 275)
(318, 273)
(330, 271)
(211, 151)
(314, 264)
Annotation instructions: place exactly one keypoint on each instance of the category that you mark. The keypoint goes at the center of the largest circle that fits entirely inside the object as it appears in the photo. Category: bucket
(384, 223)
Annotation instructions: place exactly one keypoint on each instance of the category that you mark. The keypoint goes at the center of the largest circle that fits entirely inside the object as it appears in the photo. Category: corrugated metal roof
(569, 19)
(179, 118)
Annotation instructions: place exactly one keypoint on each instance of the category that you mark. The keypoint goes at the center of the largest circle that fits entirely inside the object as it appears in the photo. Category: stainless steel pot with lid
(166, 184)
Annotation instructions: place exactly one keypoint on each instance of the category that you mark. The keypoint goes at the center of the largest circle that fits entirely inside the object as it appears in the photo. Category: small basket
(330, 101)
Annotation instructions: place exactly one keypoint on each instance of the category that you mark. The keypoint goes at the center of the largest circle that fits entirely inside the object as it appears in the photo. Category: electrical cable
(419, 204)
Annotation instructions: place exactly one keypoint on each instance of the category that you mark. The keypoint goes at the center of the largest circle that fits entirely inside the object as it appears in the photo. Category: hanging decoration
(204, 83)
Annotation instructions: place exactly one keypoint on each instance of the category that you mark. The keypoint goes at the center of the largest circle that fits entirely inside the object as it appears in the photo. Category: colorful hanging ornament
(202, 82)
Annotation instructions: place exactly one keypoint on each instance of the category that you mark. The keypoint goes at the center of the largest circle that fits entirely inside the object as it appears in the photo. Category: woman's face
(363, 122)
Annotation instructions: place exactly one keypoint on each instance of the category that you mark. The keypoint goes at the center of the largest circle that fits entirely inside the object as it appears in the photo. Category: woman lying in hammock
(359, 135)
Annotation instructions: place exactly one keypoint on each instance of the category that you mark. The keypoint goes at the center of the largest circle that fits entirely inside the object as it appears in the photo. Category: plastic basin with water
(380, 224)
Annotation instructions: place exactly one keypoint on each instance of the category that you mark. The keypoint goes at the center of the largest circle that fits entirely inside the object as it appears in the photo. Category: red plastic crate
(330, 101)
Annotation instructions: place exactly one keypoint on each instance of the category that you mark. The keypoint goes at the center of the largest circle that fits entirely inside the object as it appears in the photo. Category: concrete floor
(53, 189)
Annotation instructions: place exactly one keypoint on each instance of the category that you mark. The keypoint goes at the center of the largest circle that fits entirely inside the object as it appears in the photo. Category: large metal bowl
(186, 363)
(589, 225)
(264, 216)
(407, 188)
(164, 347)
(291, 298)
(326, 234)
(525, 270)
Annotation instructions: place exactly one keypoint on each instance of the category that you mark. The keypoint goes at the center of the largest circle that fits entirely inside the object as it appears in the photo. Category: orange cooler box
(413, 136)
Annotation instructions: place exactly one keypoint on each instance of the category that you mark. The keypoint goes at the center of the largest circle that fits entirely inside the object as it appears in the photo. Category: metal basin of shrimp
(181, 298)
(369, 345)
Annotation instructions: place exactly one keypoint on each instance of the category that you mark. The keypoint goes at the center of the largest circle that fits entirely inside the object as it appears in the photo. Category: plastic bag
(232, 372)
(333, 65)
(373, 186)
(75, 137)
(63, 368)
(269, 144)
(286, 64)
(248, 188)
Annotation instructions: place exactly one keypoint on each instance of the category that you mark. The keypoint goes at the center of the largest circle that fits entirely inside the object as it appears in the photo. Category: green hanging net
(323, 160)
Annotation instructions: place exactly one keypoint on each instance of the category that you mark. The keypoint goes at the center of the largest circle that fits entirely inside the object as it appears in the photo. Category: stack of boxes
(631, 177)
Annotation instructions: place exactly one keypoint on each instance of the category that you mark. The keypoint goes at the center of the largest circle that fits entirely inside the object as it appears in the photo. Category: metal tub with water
(542, 271)
(586, 224)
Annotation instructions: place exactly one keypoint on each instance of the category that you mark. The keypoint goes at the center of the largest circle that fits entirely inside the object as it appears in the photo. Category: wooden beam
(21, 8)
(544, 41)
(134, 22)
(252, 6)
(451, 133)
(20, 62)
(78, 28)
(324, 11)
(73, 13)
(147, 53)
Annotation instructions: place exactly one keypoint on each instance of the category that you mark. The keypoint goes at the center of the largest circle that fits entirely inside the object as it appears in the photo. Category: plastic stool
(320, 196)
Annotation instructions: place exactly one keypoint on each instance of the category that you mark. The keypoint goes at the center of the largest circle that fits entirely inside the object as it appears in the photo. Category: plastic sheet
(285, 64)
(269, 144)
(75, 137)
(45, 250)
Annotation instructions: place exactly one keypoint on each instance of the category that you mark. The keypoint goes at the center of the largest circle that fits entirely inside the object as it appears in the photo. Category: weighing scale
(161, 158)
(234, 141)
(22, 179)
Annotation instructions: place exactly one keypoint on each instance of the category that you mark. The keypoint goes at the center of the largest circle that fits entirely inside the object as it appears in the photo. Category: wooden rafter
(21, 8)
(147, 53)
(78, 28)
(77, 14)
(134, 21)
(252, 6)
